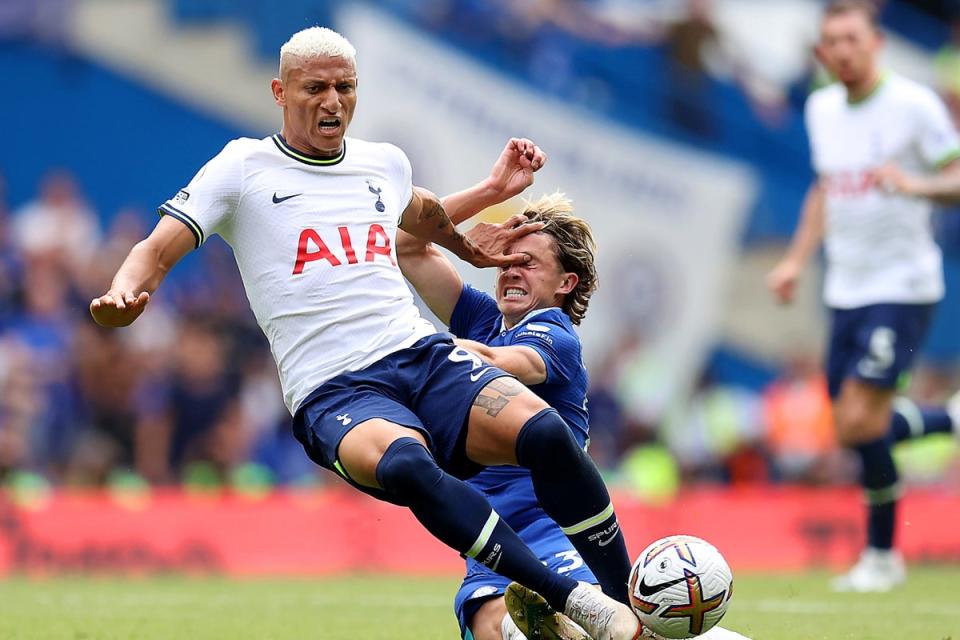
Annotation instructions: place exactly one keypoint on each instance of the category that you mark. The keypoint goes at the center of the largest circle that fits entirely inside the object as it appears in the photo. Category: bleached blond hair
(316, 42)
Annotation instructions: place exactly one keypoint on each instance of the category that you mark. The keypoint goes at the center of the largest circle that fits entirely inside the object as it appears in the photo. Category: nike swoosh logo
(604, 543)
(476, 376)
(277, 200)
(648, 590)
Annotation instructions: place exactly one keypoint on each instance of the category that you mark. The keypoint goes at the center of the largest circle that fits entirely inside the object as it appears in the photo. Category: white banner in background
(666, 219)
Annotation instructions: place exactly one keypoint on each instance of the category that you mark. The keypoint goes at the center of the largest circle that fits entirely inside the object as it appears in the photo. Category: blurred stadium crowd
(189, 393)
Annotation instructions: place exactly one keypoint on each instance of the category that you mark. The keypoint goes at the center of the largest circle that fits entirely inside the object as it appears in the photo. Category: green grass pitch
(765, 607)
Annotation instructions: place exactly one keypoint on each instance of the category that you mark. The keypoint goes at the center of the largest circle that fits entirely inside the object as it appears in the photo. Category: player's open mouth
(512, 293)
(329, 125)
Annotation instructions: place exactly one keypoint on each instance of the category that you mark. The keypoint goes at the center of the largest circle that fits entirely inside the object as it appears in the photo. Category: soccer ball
(680, 586)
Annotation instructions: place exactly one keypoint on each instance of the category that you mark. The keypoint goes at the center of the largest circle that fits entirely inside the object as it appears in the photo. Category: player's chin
(328, 140)
(513, 306)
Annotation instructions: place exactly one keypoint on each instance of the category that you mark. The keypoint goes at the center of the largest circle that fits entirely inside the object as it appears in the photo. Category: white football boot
(597, 616)
(877, 571)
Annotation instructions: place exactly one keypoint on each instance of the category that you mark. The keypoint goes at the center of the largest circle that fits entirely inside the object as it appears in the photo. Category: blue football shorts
(547, 542)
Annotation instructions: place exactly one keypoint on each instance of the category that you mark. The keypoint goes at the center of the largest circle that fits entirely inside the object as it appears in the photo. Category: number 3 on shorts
(880, 355)
(570, 556)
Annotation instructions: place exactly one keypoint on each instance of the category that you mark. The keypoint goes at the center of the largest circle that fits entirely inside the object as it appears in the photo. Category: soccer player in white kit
(884, 271)
(377, 394)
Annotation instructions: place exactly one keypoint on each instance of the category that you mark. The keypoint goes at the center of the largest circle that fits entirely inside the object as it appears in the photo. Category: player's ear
(569, 283)
(818, 54)
(276, 86)
(879, 39)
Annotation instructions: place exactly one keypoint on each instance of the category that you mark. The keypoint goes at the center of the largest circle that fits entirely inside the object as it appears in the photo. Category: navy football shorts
(429, 387)
(876, 343)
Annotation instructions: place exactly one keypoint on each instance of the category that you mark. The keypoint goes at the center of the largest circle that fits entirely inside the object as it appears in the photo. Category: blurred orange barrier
(337, 530)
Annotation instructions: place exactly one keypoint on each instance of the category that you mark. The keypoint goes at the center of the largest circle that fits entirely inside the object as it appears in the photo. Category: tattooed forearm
(428, 221)
(492, 404)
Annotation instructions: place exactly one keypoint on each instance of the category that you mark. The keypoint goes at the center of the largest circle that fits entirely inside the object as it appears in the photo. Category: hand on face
(514, 169)
(491, 239)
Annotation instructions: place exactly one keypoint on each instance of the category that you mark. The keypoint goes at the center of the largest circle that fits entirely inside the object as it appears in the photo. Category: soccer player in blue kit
(526, 329)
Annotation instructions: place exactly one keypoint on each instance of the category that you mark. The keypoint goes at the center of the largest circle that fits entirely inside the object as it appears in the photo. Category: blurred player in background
(377, 394)
(884, 271)
(525, 329)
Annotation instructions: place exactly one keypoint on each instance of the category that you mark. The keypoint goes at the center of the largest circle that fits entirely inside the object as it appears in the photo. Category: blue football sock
(571, 491)
(881, 489)
(459, 516)
(910, 421)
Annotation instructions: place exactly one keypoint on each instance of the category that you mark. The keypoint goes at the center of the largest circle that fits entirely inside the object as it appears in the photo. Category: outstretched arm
(523, 362)
(426, 267)
(782, 281)
(433, 275)
(141, 273)
(942, 187)
(426, 219)
(510, 175)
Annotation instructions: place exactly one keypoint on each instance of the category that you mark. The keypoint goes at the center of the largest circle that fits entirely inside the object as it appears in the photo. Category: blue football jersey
(551, 334)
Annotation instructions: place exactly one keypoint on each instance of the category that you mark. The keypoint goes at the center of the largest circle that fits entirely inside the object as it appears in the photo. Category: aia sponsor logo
(849, 184)
(311, 247)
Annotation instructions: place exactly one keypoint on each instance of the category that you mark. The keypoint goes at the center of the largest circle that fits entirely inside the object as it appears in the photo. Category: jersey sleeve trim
(167, 209)
(947, 158)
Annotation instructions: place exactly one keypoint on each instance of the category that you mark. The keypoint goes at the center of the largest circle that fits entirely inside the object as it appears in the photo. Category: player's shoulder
(905, 89)
(827, 97)
(368, 149)
(237, 151)
(548, 322)
(245, 146)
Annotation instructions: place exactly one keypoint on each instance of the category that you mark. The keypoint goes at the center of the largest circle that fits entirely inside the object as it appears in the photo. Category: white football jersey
(315, 243)
(879, 246)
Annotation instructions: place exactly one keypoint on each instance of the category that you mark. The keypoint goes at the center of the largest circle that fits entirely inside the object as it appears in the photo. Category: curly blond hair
(574, 247)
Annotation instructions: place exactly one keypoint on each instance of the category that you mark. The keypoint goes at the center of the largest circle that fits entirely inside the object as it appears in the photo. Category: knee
(857, 423)
(546, 437)
(487, 622)
(407, 469)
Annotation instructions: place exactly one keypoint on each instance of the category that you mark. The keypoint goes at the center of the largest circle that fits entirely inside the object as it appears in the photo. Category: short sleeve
(212, 195)
(938, 140)
(557, 345)
(808, 117)
(475, 315)
(403, 174)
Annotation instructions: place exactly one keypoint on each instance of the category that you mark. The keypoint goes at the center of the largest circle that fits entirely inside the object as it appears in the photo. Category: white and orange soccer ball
(680, 586)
